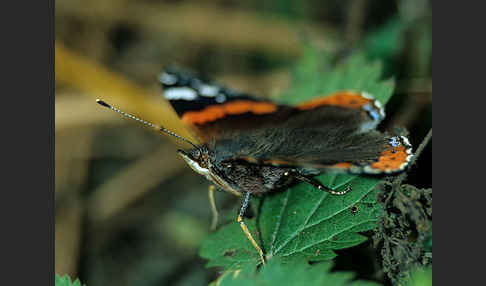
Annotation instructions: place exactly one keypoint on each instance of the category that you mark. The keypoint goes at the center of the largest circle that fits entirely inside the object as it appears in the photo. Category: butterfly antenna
(159, 128)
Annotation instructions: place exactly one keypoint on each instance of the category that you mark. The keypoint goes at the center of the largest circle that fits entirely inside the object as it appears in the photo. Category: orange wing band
(344, 98)
(396, 155)
(393, 158)
(215, 112)
(343, 165)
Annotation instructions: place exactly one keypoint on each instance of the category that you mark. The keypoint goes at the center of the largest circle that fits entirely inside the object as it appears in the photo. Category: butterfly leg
(214, 210)
(245, 229)
(317, 184)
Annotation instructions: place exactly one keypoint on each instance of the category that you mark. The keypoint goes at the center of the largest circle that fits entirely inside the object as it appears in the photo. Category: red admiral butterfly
(251, 147)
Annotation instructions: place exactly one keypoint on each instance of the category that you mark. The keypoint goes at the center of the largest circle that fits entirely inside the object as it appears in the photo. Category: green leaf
(303, 222)
(300, 273)
(65, 281)
(230, 248)
(356, 73)
(386, 41)
(420, 277)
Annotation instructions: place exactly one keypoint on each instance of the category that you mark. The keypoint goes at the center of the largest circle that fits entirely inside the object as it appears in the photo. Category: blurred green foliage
(66, 281)
(297, 273)
(420, 277)
(314, 76)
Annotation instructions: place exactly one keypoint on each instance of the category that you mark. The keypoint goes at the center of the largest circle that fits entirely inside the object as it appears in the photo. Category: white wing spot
(394, 142)
(370, 170)
(405, 140)
(208, 90)
(367, 95)
(220, 98)
(371, 111)
(168, 79)
(185, 93)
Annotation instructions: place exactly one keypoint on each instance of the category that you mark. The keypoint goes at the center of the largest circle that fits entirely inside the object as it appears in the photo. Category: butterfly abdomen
(253, 178)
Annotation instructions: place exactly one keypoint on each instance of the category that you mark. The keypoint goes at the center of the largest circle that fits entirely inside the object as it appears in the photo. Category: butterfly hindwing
(334, 133)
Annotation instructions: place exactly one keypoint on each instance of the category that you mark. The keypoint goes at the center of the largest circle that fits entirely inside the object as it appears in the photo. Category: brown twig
(354, 21)
(75, 111)
(99, 82)
(234, 29)
(68, 230)
(421, 148)
(133, 182)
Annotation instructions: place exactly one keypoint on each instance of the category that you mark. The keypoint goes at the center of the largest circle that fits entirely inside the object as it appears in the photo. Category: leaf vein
(277, 227)
(304, 226)
(328, 238)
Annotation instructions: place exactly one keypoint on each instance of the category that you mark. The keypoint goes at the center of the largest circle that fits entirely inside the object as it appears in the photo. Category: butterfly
(250, 146)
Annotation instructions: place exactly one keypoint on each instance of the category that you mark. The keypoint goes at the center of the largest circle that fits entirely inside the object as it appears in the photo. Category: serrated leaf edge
(305, 226)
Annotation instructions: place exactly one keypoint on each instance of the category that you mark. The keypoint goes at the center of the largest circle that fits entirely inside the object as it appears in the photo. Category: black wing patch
(189, 92)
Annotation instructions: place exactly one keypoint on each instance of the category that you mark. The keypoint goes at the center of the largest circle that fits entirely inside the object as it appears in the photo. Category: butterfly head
(201, 160)
(198, 159)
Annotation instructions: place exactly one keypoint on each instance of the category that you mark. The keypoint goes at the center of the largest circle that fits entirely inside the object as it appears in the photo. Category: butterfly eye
(196, 154)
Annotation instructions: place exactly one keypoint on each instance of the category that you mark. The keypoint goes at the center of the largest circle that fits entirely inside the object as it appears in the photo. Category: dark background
(128, 210)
